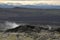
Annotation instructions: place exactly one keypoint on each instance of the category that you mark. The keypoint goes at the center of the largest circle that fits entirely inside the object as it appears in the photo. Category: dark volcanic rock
(24, 28)
(58, 30)
(30, 28)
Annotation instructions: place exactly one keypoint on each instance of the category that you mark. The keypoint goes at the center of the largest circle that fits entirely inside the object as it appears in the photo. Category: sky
(50, 2)
(29, 0)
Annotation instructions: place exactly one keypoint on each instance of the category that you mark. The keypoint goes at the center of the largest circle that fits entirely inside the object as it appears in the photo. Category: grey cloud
(32, 0)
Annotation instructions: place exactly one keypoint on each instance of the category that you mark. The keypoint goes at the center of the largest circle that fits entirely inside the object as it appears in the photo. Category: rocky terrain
(31, 32)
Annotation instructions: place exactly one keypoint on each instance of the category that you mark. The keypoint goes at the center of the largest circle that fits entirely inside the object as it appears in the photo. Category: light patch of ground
(43, 35)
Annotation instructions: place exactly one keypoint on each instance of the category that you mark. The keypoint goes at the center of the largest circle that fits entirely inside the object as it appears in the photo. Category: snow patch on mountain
(42, 6)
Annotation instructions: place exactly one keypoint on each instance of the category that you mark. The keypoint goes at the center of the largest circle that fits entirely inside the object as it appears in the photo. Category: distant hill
(39, 6)
(30, 15)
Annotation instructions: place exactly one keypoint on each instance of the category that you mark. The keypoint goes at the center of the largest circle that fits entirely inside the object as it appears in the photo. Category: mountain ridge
(41, 6)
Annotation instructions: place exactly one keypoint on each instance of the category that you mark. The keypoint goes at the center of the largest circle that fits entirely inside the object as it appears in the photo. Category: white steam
(10, 25)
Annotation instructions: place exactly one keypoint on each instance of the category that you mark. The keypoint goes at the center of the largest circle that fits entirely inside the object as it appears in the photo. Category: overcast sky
(50, 2)
(29, 0)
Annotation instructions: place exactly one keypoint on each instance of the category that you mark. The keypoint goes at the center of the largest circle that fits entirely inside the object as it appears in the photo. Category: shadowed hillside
(32, 28)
